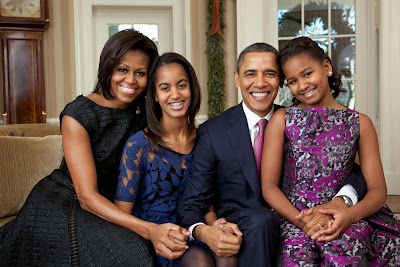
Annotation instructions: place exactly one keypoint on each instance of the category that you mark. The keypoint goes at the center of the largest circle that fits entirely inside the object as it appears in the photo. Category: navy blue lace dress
(153, 181)
(53, 230)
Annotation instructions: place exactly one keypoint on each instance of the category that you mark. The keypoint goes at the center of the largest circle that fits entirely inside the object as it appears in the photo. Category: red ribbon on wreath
(216, 22)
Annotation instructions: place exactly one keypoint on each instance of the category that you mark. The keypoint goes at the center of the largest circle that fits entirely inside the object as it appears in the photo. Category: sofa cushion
(24, 161)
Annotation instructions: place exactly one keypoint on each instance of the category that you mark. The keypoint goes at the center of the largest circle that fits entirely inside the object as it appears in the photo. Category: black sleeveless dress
(52, 230)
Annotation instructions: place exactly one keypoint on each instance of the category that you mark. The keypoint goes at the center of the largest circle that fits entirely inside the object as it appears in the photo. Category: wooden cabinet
(22, 23)
(23, 77)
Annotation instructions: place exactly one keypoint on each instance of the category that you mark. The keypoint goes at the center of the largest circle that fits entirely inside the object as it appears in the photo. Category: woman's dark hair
(153, 109)
(114, 49)
(306, 45)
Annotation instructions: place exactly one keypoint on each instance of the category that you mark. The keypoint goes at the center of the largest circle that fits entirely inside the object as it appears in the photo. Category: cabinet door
(23, 79)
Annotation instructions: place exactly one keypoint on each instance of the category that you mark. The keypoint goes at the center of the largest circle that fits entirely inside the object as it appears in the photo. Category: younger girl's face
(308, 80)
(173, 90)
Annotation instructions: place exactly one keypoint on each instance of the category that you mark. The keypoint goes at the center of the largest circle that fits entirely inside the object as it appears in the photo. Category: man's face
(259, 81)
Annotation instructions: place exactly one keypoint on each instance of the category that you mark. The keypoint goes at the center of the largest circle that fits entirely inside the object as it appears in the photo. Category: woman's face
(173, 91)
(129, 78)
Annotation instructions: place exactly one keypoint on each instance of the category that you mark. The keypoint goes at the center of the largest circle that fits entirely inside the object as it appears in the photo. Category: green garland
(216, 67)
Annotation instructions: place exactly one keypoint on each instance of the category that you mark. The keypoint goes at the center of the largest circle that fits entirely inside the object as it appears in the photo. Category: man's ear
(236, 76)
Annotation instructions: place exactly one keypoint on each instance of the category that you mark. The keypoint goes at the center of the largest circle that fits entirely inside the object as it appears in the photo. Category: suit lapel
(239, 138)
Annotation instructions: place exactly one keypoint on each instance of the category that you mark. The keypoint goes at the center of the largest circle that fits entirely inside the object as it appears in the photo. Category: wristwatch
(347, 201)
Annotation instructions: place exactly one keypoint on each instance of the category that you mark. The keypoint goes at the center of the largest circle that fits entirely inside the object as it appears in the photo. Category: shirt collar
(252, 118)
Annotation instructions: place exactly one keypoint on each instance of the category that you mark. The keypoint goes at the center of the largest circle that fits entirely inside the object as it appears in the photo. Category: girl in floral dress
(316, 141)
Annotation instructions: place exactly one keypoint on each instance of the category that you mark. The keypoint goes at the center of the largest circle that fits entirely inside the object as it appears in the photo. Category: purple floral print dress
(319, 152)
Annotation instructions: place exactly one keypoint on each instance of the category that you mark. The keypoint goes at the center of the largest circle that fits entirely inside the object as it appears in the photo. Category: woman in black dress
(69, 218)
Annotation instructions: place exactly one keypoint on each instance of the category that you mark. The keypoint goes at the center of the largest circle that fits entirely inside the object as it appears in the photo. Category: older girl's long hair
(153, 109)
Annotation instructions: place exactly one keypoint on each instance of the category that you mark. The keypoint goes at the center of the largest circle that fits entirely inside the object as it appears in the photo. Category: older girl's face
(173, 90)
(129, 78)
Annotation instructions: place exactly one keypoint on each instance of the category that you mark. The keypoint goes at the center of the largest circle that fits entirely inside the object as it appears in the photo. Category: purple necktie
(259, 143)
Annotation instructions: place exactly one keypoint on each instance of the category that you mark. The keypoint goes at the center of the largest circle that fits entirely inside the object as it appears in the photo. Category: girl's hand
(342, 219)
(312, 219)
(179, 237)
(163, 245)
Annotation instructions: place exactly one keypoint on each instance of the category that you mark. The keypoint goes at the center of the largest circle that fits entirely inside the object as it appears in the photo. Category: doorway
(155, 23)
(95, 20)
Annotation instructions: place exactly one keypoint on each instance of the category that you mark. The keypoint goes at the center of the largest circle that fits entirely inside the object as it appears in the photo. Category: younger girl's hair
(153, 109)
(303, 44)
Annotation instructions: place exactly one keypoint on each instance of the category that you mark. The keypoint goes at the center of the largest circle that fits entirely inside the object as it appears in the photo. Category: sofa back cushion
(32, 129)
(24, 161)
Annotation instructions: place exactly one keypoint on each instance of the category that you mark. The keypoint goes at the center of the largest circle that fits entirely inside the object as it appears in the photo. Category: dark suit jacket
(223, 170)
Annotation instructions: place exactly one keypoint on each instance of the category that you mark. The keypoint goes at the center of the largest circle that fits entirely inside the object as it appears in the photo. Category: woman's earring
(137, 111)
(156, 99)
(330, 73)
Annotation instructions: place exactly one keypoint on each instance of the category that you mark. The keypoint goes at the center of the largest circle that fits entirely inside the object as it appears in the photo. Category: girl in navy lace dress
(156, 161)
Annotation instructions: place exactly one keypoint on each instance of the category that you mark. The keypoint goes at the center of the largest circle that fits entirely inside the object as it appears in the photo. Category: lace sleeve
(129, 172)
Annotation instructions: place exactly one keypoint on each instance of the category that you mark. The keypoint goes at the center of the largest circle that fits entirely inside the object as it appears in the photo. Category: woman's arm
(272, 160)
(79, 158)
(127, 207)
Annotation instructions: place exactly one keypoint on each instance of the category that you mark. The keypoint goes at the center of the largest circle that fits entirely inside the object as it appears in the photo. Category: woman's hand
(169, 240)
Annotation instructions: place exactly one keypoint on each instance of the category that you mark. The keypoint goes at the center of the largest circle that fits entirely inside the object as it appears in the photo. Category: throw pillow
(13, 133)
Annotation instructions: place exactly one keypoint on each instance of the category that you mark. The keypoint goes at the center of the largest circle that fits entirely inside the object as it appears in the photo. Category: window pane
(282, 44)
(343, 17)
(315, 17)
(114, 28)
(289, 18)
(343, 56)
(323, 43)
(347, 98)
(150, 30)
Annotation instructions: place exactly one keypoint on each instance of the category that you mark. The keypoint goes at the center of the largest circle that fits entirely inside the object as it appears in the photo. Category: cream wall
(390, 92)
(59, 58)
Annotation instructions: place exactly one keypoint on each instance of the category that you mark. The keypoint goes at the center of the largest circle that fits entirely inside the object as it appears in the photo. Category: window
(150, 30)
(331, 23)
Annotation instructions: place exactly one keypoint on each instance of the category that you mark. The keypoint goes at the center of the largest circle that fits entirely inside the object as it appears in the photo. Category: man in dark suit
(224, 171)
